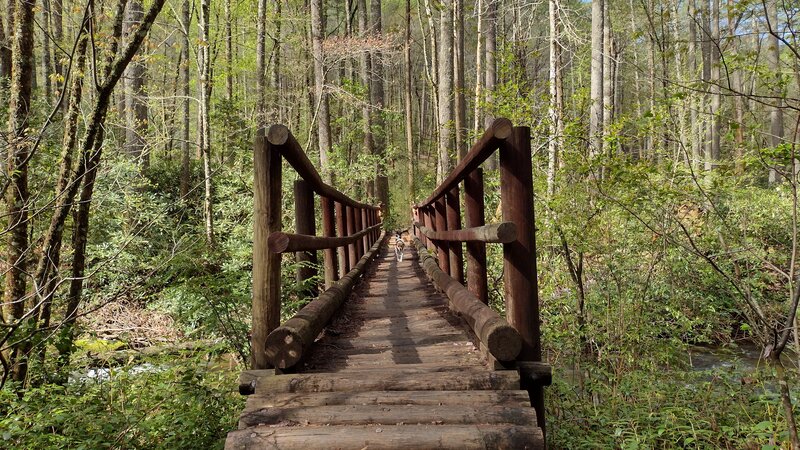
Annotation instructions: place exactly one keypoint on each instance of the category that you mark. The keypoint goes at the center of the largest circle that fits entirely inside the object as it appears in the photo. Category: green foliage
(160, 404)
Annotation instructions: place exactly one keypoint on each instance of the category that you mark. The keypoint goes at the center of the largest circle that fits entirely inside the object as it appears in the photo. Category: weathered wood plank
(385, 437)
(389, 415)
(439, 398)
(445, 381)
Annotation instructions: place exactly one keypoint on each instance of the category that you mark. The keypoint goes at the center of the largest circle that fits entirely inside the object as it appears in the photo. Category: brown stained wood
(440, 224)
(341, 230)
(519, 257)
(477, 281)
(434, 398)
(497, 133)
(352, 249)
(427, 214)
(266, 305)
(366, 226)
(388, 437)
(498, 233)
(249, 378)
(454, 224)
(305, 224)
(389, 415)
(357, 215)
(281, 242)
(390, 381)
(287, 344)
(329, 231)
(283, 140)
(502, 340)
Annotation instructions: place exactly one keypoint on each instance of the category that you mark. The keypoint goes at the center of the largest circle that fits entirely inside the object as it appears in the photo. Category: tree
(135, 95)
(596, 102)
(17, 205)
(321, 96)
(556, 97)
(407, 103)
(204, 69)
(445, 89)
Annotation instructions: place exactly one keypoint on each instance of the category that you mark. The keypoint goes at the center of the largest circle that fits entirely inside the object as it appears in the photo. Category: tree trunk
(556, 98)
(608, 76)
(276, 112)
(713, 154)
(773, 60)
(364, 70)
(378, 100)
(445, 89)
(479, 75)
(408, 106)
(458, 64)
(261, 64)
(204, 64)
(491, 71)
(185, 80)
(135, 95)
(228, 52)
(22, 68)
(323, 114)
(5, 52)
(694, 105)
(596, 94)
(47, 66)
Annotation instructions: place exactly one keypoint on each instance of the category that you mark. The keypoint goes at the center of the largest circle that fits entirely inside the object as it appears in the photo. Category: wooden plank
(445, 381)
(389, 415)
(249, 378)
(439, 398)
(388, 437)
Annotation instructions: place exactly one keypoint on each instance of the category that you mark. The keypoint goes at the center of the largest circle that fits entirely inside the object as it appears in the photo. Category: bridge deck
(395, 369)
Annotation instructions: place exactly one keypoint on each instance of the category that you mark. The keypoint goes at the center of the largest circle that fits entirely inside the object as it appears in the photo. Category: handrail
(497, 132)
(283, 140)
(280, 242)
(498, 233)
(348, 226)
(437, 225)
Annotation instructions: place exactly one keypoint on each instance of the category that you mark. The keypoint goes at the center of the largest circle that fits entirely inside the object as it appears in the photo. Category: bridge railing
(351, 235)
(438, 228)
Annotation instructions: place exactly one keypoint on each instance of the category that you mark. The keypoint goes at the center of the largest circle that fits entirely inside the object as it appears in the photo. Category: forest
(665, 171)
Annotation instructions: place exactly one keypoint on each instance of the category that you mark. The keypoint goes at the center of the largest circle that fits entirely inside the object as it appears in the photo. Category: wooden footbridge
(395, 354)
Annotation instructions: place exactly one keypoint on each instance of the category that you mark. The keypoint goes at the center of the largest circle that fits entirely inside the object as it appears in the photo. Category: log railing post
(358, 227)
(443, 247)
(476, 251)
(364, 225)
(519, 257)
(351, 229)
(305, 224)
(266, 307)
(454, 223)
(428, 213)
(329, 230)
(341, 231)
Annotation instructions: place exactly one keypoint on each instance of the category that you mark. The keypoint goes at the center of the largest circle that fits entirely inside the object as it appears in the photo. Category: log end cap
(501, 127)
(507, 232)
(504, 343)
(283, 348)
(278, 242)
(278, 134)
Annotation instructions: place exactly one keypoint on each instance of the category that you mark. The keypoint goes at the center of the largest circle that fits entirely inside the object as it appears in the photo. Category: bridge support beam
(520, 276)
(305, 223)
(329, 230)
(266, 265)
(476, 251)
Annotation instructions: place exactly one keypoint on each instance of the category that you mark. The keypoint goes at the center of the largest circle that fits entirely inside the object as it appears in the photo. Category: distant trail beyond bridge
(412, 359)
